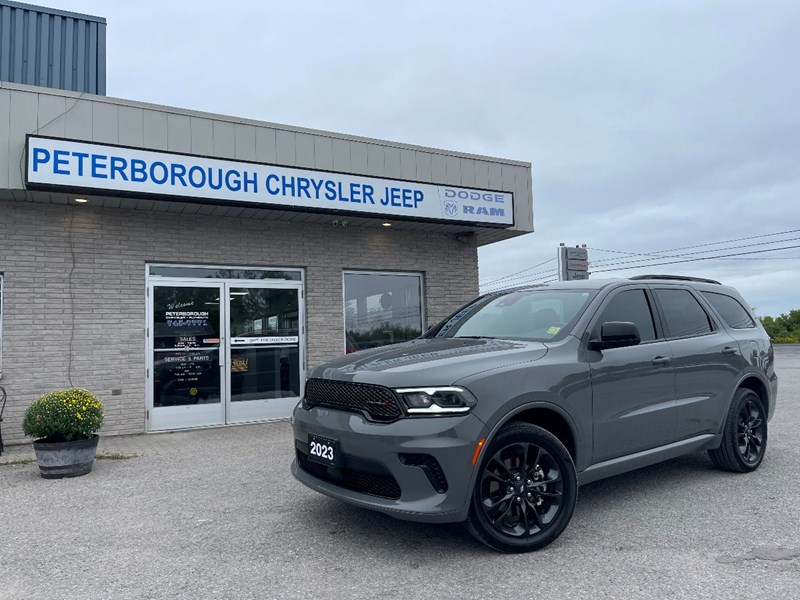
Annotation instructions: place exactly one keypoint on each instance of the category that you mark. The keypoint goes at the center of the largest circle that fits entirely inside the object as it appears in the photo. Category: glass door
(223, 352)
(187, 359)
(264, 351)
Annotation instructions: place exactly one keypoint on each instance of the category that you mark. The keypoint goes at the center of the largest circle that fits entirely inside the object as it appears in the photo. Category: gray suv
(496, 414)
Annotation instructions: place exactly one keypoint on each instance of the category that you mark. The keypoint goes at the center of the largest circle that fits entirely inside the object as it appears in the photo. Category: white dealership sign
(268, 339)
(87, 167)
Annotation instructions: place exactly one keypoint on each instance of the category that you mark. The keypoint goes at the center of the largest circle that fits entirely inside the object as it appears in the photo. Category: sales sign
(113, 170)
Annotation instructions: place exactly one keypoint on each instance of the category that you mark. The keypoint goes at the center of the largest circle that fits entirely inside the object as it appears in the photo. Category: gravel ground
(216, 514)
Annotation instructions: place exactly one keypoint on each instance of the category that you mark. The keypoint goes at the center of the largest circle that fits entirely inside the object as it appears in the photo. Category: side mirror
(616, 334)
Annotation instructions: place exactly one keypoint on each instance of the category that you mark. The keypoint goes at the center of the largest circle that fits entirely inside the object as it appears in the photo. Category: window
(683, 314)
(629, 306)
(222, 273)
(381, 309)
(733, 313)
(535, 315)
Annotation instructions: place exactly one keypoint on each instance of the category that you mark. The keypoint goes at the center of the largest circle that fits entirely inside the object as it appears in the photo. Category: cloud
(649, 125)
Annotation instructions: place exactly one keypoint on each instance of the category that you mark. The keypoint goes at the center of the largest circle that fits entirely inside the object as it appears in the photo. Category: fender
(769, 400)
(509, 417)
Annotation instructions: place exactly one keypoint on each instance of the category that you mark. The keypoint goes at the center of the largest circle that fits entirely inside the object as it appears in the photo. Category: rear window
(535, 315)
(732, 312)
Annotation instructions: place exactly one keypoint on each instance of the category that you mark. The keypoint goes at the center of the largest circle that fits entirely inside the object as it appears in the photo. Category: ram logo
(450, 209)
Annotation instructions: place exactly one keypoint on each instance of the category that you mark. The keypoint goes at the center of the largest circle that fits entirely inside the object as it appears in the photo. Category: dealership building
(190, 268)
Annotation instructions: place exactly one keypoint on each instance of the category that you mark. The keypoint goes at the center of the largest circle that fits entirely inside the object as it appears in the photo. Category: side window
(733, 313)
(631, 306)
(683, 314)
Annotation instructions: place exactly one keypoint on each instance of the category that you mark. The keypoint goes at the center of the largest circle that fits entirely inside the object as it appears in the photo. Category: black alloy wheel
(751, 431)
(744, 436)
(525, 491)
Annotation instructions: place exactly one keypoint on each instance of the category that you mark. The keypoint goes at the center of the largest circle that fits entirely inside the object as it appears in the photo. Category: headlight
(436, 400)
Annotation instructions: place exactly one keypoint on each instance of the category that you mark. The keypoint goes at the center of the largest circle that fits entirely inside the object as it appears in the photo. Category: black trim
(655, 311)
(277, 207)
(430, 466)
(675, 278)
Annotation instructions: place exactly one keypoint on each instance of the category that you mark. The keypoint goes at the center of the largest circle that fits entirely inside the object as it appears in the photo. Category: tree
(785, 328)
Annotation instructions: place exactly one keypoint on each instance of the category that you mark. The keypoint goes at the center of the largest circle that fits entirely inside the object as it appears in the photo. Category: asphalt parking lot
(216, 514)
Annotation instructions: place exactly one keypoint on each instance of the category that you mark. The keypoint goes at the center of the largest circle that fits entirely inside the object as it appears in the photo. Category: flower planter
(66, 459)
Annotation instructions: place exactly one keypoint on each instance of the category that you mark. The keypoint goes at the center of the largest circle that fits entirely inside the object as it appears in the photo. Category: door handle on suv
(730, 350)
(661, 360)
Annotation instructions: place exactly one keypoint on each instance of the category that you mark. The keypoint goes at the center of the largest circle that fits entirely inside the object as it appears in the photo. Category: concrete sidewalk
(139, 444)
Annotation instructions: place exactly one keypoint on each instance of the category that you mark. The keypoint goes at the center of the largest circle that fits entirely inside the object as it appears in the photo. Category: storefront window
(381, 309)
(222, 273)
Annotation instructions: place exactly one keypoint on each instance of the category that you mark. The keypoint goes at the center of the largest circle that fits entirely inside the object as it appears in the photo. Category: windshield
(535, 315)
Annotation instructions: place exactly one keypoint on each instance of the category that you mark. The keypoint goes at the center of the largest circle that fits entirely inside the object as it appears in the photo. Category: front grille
(376, 401)
(430, 466)
(373, 484)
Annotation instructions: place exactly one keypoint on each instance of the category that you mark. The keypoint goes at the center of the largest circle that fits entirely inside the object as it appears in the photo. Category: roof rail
(676, 278)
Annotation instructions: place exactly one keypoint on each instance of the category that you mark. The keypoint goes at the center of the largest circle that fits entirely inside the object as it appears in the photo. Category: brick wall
(103, 252)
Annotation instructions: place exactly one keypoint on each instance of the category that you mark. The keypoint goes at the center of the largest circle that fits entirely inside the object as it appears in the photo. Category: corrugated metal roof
(52, 48)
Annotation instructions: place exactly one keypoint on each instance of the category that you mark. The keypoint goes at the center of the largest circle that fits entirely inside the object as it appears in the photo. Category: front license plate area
(323, 450)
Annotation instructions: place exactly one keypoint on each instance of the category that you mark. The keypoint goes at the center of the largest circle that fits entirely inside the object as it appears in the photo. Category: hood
(435, 361)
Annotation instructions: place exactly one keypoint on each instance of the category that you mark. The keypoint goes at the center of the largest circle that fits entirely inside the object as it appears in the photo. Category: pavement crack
(763, 553)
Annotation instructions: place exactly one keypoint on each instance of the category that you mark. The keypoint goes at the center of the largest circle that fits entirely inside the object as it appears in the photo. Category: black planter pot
(65, 459)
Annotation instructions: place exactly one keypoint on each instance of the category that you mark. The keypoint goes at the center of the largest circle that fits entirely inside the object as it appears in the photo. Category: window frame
(714, 326)
(655, 313)
(420, 275)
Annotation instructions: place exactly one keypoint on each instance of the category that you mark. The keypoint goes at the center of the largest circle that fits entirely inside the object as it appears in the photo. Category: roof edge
(256, 122)
(52, 11)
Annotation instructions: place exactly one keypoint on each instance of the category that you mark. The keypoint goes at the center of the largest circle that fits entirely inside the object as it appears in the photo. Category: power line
(546, 272)
(518, 272)
(526, 277)
(639, 262)
(606, 262)
(686, 260)
(527, 281)
(768, 258)
(742, 239)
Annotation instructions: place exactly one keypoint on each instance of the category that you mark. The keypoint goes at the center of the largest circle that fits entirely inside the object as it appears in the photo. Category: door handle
(730, 350)
(661, 360)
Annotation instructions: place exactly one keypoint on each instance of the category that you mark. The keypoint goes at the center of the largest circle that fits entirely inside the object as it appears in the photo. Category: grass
(114, 456)
(18, 461)
(100, 456)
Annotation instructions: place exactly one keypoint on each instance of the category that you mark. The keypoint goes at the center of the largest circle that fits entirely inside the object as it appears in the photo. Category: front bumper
(375, 449)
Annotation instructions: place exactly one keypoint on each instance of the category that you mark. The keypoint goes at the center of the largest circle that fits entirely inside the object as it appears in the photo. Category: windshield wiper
(474, 337)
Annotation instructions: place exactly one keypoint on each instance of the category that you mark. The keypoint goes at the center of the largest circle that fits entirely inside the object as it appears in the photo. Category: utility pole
(573, 262)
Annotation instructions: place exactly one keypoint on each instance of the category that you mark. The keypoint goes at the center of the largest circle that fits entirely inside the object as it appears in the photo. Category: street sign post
(573, 263)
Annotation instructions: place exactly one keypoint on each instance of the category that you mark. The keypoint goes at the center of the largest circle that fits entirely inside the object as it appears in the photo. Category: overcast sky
(650, 125)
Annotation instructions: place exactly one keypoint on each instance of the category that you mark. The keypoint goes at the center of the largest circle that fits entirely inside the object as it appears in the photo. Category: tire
(525, 513)
(744, 435)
